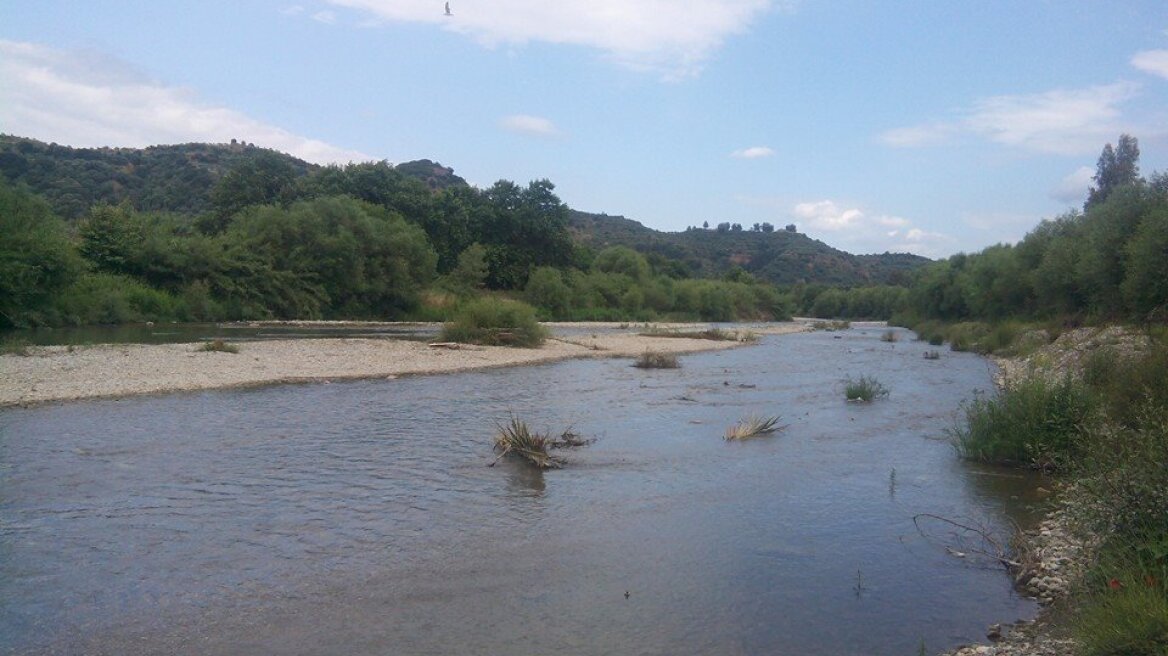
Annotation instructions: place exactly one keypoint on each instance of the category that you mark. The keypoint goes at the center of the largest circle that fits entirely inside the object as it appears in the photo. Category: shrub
(496, 322)
(865, 389)
(655, 360)
(1033, 421)
(219, 346)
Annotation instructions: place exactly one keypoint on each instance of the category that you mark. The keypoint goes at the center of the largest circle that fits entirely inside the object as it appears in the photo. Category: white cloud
(1152, 61)
(292, 10)
(326, 17)
(1073, 188)
(856, 231)
(754, 152)
(88, 101)
(535, 126)
(1061, 121)
(657, 35)
(919, 135)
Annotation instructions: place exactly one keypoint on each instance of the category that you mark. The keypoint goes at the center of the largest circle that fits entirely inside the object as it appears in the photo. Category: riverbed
(362, 517)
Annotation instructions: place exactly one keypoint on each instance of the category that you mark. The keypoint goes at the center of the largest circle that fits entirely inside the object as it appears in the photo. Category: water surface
(362, 518)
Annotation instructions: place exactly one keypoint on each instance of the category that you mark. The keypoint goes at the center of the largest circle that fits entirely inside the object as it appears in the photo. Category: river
(362, 517)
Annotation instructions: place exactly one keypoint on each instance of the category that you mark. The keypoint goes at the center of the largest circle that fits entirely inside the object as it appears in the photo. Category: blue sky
(929, 126)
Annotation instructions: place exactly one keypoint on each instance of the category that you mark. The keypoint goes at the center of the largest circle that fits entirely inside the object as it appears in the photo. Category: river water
(362, 518)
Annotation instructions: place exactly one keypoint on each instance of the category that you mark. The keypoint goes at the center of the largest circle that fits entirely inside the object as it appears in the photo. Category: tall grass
(1031, 422)
(495, 322)
(864, 388)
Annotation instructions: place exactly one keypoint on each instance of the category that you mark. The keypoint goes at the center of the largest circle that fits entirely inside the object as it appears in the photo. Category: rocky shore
(60, 373)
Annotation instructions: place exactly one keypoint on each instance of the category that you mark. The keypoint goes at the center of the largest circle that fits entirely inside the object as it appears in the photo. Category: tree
(768, 228)
(35, 257)
(705, 225)
(1116, 168)
(264, 179)
(791, 228)
(724, 226)
(736, 227)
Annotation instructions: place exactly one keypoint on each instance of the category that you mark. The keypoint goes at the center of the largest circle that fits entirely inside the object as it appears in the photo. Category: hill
(181, 178)
(175, 178)
(781, 256)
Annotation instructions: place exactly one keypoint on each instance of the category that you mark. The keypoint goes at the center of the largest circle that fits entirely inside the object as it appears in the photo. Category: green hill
(181, 178)
(780, 256)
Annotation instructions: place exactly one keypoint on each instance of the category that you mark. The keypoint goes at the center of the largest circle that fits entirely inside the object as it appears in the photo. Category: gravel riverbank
(59, 373)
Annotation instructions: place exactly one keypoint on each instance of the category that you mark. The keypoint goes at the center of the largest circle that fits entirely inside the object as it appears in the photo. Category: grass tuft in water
(515, 438)
(753, 426)
(890, 336)
(656, 360)
(866, 389)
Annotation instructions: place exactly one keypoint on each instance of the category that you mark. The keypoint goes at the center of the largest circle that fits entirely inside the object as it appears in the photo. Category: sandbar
(60, 373)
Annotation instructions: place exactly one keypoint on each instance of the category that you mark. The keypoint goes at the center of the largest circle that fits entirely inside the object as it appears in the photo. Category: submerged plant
(753, 426)
(932, 355)
(516, 438)
(656, 360)
(866, 389)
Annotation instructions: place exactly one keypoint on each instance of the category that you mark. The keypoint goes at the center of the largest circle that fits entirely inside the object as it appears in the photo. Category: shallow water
(362, 518)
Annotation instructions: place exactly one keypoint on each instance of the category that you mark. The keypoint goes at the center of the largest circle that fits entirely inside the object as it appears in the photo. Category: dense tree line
(359, 241)
(1106, 262)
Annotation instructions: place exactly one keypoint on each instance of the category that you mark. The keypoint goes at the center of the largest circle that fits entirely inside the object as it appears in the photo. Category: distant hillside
(181, 178)
(781, 257)
(176, 178)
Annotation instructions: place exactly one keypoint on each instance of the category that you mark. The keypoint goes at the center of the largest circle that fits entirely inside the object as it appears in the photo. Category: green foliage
(104, 298)
(265, 178)
(622, 260)
(1130, 621)
(470, 275)
(547, 290)
(36, 260)
(336, 257)
(1030, 422)
(865, 388)
(496, 322)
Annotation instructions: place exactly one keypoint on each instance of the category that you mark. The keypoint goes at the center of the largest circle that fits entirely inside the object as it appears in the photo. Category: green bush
(494, 321)
(866, 389)
(1124, 382)
(1032, 422)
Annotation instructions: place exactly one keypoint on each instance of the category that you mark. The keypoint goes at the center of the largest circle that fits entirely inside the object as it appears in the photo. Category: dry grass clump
(515, 438)
(932, 355)
(889, 336)
(753, 426)
(713, 334)
(655, 360)
(219, 346)
(831, 326)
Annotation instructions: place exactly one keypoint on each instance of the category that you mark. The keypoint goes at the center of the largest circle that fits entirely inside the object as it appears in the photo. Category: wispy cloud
(671, 38)
(1072, 189)
(857, 231)
(85, 100)
(754, 152)
(535, 126)
(1152, 61)
(1061, 121)
(325, 16)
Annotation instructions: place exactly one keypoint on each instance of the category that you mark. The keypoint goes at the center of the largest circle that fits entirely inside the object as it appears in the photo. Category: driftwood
(989, 547)
(453, 346)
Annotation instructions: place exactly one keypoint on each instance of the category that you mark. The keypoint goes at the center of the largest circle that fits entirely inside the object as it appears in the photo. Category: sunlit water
(362, 518)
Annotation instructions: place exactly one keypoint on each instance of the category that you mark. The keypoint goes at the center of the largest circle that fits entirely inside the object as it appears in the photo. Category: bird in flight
(448, 13)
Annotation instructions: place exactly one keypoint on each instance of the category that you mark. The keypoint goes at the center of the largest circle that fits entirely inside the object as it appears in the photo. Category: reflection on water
(362, 518)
